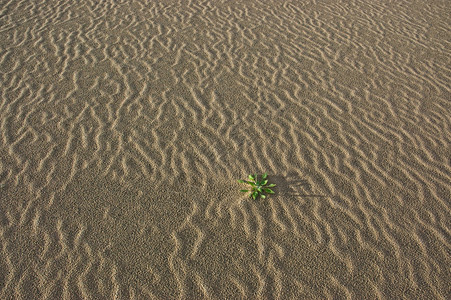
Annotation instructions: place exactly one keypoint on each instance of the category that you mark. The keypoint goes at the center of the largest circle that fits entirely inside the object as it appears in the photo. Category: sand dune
(125, 125)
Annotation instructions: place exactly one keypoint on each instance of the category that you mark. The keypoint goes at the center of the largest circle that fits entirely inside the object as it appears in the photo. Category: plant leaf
(264, 175)
(247, 182)
(264, 182)
(271, 185)
(251, 177)
(262, 196)
(244, 191)
(254, 195)
(269, 191)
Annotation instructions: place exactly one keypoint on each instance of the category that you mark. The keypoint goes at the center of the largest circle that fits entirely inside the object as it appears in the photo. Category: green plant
(258, 187)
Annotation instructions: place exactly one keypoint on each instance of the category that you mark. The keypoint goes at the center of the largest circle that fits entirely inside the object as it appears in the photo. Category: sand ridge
(124, 126)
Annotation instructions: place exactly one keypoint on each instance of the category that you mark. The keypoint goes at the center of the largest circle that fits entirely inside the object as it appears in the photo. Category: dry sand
(125, 125)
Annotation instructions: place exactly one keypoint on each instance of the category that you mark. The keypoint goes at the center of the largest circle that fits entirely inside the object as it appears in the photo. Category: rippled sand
(124, 126)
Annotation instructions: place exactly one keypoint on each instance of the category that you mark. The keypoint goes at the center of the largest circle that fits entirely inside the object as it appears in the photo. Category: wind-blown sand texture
(126, 124)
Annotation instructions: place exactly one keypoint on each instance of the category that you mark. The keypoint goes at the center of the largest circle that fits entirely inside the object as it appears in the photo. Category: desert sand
(125, 125)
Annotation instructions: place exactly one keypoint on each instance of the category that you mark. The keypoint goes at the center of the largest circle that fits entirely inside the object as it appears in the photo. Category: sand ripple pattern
(125, 124)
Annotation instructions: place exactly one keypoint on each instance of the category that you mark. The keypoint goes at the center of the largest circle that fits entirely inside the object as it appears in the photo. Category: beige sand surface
(124, 126)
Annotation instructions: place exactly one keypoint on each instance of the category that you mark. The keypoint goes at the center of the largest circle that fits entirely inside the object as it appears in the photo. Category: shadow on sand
(292, 185)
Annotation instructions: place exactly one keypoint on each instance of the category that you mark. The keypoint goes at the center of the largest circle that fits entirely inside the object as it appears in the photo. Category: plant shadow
(292, 185)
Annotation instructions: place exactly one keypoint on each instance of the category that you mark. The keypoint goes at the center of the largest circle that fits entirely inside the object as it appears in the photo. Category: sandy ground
(124, 126)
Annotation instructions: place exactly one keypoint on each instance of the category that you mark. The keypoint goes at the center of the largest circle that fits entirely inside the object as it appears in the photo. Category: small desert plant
(258, 187)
